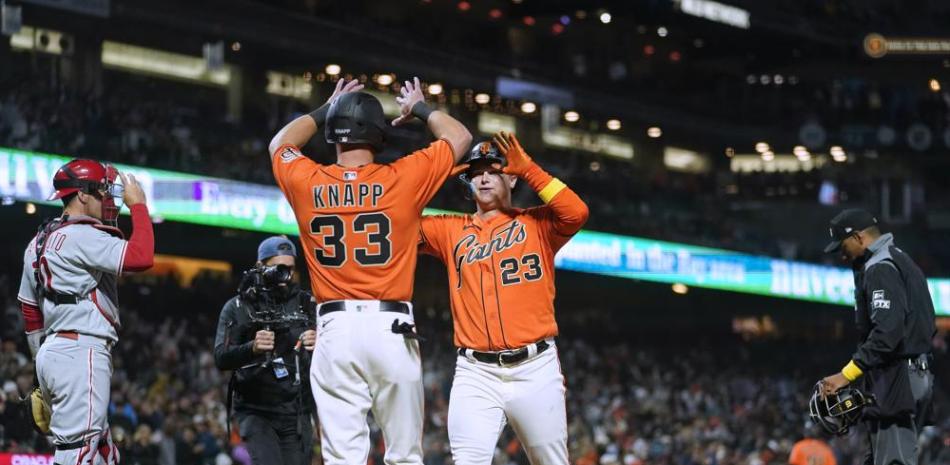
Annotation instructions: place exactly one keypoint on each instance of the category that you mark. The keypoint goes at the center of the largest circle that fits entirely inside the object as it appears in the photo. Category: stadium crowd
(631, 401)
(144, 121)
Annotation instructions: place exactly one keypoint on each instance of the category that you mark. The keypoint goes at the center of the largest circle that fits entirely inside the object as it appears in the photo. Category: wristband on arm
(552, 188)
(422, 111)
(851, 371)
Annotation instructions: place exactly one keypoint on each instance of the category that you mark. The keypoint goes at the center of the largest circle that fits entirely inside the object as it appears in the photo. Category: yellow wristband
(851, 371)
(549, 191)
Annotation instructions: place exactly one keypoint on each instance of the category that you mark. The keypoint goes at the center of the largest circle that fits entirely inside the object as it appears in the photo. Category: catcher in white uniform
(68, 295)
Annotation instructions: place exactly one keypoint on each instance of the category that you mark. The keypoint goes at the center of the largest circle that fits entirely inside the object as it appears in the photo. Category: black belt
(71, 445)
(63, 299)
(507, 357)
(384, 306)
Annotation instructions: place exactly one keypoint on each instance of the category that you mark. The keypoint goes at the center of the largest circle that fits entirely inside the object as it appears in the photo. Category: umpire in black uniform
(895, 318)
(265, 336)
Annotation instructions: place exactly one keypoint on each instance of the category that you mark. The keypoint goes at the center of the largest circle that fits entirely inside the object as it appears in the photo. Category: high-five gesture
(410, 94)
(518, 160)
(343, 87)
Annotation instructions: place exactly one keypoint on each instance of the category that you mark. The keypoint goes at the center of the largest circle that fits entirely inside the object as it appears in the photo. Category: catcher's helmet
(90, 177)
(838, 412)
(356, 118)
(79, 175)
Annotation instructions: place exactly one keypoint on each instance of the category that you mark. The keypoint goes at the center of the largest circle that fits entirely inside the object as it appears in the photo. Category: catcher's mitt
(37, 411)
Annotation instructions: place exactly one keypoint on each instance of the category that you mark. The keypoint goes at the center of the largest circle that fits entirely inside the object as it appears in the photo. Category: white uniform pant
(529, 395)
(75, 376)
(359, 365)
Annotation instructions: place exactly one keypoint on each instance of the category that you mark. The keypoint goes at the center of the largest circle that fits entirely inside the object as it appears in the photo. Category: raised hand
(518, 160)
(344, 87)
(410, 94)
(132, 192)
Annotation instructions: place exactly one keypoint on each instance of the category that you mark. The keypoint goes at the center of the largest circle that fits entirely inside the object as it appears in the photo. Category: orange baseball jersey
(501, 270)
(811, 452)
(359, 227)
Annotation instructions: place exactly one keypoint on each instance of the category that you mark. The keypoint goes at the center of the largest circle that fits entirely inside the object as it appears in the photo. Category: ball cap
(274, 246)
(846, 223)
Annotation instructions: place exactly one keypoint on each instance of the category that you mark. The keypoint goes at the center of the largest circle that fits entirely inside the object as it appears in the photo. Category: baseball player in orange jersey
(811, 449)
(500, 264)
(359, 225)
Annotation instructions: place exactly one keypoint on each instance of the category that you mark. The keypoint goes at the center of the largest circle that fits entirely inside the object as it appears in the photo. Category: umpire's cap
(847, 223)
(356, 118)
(274, 246)
(482, 152)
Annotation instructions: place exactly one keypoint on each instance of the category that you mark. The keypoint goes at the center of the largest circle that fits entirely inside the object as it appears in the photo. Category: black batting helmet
(482, 152)
(356, 118)
(838, 412)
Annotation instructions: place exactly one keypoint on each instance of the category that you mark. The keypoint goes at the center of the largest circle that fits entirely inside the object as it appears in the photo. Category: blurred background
(712, 141)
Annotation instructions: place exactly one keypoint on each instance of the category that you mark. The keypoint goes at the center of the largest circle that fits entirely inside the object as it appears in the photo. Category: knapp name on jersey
(347, 194)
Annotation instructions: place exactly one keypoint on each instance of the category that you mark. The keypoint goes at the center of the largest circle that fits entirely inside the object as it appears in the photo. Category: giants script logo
(468, 250)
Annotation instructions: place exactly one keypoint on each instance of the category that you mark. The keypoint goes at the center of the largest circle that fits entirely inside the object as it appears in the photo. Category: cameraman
(265, 336)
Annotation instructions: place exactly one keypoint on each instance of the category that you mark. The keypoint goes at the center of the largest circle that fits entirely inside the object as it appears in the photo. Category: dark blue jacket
(896, 322)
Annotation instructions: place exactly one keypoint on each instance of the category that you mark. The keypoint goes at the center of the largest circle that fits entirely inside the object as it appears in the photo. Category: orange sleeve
(561, 218)
(426, 170)
(569, 212)
(432, 232)
(291, 167)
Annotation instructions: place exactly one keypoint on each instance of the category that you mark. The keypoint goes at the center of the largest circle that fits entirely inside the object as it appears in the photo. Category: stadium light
(768, 155)
(528, 107)
(715, 11)
(30, 208)
(662, 31)
(761, 147)
(572, 116)
(482, 98)
(435, 88)
(680, 288)
(605, 17)
(654, 132)
(384, 79)
(613, 124)
(730, 152)
(934, 85)
(836, 151)
(800, 151)
(333, 69)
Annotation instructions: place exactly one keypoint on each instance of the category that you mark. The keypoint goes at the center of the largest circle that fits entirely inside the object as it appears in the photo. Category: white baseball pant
(359, 365)
(75, 374)
(529, 395)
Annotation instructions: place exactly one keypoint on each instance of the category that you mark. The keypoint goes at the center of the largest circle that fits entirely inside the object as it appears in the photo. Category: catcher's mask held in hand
(837, 412)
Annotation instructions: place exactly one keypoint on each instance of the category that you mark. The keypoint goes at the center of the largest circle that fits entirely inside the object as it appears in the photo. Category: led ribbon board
(27, 176)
